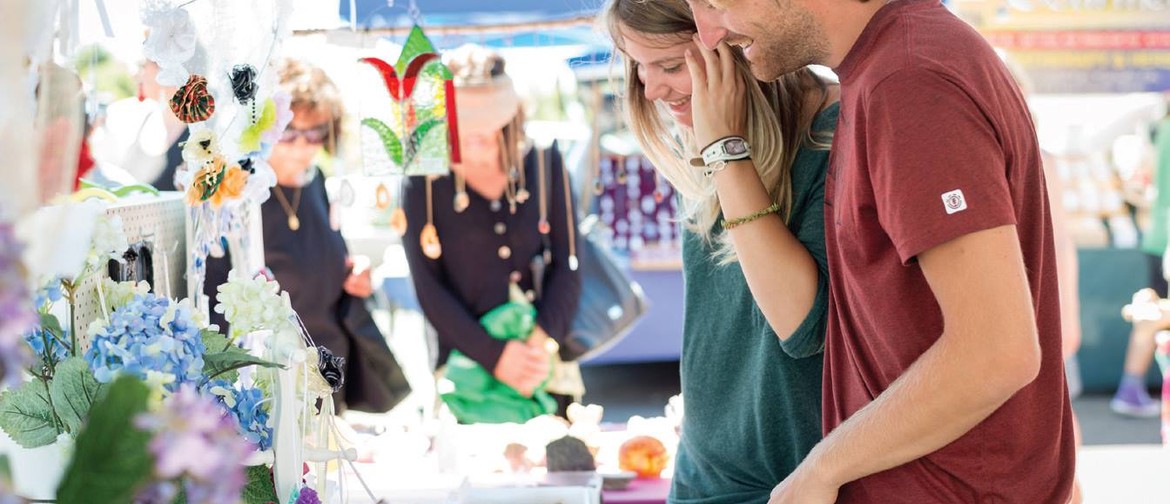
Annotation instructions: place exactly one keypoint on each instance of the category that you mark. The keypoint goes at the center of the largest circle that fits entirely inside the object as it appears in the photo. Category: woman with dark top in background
(307, 254)
(486, 215)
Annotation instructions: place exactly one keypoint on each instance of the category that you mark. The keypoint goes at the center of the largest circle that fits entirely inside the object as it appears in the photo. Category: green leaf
(216, 364)
(5, 471)
(74, 390)
(27, 416)
(390, 141)
(49, 322)
(216, 343)
(111, 460)
(261, 489)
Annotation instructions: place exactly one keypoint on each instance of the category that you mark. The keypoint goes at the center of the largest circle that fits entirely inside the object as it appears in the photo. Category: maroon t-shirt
(934, 142)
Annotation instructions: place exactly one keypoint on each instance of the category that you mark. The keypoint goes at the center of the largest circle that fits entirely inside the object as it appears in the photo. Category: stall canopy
(383, 14)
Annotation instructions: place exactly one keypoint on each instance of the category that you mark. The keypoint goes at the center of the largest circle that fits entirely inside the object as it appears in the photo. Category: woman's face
(302, 140)
(473, 143)
(662, 69)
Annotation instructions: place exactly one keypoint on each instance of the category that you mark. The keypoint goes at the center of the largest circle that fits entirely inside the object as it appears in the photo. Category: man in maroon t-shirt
(943, 373)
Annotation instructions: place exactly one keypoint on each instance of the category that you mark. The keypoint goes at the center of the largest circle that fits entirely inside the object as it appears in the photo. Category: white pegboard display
(156, 225)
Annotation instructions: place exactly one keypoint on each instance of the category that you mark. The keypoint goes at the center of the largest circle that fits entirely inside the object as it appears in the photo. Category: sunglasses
(315, 135)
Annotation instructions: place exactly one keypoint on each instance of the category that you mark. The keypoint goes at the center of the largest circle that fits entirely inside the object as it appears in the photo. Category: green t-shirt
(752, 401)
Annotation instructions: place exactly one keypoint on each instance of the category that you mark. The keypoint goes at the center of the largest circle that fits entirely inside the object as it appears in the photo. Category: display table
(640, 491)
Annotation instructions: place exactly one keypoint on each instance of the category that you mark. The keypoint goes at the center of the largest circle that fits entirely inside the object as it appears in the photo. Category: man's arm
(989, 350)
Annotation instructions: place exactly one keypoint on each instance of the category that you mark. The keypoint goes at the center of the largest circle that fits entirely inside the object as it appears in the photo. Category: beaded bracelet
(730, 224)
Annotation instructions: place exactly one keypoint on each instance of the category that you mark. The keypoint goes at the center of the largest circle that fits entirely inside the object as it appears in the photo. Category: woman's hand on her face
(718, 108)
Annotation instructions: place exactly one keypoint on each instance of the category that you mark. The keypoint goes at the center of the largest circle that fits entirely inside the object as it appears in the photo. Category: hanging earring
(542, 225)
(462, 201)
(620, 173)
(598, 184)
(382, 197)
(510, 188)
(398, 220)
(514, 151)
(428, 239)
(346, 195)
(141, 92)
(659, 191)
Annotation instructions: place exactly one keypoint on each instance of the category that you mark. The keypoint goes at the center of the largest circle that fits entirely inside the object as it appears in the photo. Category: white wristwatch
(716, 155)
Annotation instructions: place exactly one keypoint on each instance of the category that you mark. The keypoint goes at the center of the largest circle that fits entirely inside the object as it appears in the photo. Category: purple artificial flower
(195, 440)
(308, 496)
(17, 316)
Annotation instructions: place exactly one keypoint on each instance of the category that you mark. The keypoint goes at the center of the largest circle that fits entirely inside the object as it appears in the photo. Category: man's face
(777, 36)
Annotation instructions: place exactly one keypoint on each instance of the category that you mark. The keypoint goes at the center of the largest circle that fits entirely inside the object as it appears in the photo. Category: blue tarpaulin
(380, 14)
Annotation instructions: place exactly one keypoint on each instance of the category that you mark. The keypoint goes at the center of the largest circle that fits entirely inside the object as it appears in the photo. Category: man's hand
(801, 487)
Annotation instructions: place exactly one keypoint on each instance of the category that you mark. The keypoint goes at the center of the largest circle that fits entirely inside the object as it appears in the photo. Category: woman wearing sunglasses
(306, 253)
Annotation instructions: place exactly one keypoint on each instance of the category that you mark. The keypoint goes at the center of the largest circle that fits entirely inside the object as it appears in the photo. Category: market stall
(107, 347)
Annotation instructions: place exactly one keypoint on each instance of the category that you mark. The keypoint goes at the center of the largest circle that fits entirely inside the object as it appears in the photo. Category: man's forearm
(949, 390)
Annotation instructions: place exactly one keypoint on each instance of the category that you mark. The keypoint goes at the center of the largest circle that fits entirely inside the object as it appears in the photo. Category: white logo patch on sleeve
(954, 201)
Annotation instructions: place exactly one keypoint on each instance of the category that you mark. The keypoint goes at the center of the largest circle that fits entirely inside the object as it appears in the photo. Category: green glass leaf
(26, 416)
(416, 43)
(74, 390)
(111, 460)
(260, 489)
(435, 69)
(390, 140)
(418, 142)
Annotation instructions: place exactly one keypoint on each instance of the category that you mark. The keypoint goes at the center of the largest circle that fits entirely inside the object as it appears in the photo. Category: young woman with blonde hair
(749, 160)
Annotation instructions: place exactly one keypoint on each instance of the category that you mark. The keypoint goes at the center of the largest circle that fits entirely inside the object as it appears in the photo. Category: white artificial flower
(259, 186)
(118, 294)
(171, 43)
(58, 239)
(201, 147)
(254, 304)
(109, 241)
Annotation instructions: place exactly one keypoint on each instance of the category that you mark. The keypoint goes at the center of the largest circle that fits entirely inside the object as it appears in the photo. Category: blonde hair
(472, 65)
(779, 120)
(313, 91)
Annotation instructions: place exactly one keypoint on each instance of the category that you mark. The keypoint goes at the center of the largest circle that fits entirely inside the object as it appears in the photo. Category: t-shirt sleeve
(936, 164)
(808, 224)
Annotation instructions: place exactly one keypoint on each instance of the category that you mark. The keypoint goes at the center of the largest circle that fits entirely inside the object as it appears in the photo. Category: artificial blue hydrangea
(247, 405)
(58, 349)
(152, 338)
(49, 294)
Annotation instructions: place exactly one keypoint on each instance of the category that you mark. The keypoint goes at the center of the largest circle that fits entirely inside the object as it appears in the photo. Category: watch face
(735, 147)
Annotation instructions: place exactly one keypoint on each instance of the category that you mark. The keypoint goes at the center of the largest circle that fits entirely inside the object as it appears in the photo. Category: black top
(482, 247)
(308, 263)
(166, 180)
